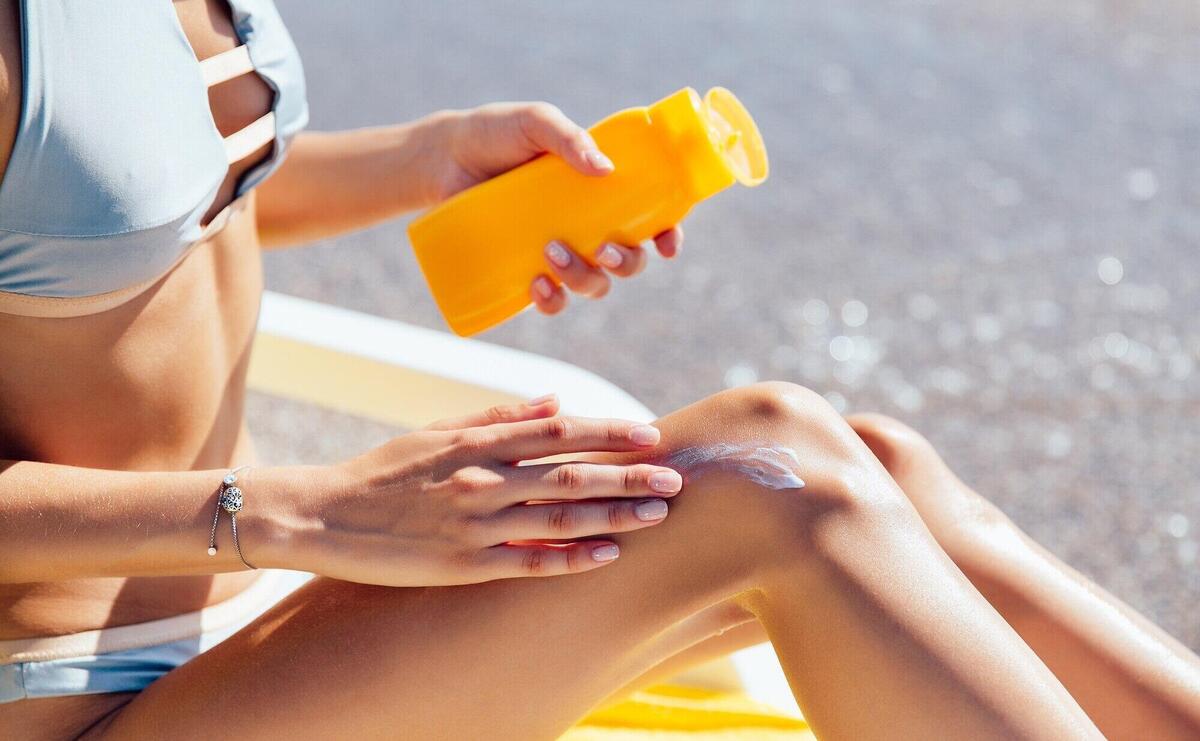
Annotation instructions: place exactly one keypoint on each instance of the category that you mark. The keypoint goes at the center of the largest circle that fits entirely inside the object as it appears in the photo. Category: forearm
(337, 182)
(66, 522)
(1132, 678)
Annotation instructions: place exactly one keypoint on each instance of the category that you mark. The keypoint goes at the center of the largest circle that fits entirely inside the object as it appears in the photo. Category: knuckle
(470, 480)
(468, 441)
(533, 561)
(544, 109)
(571, 476)
(560, 518)
(616, 514)
(498, 414)
(572, 558)
(537, 115)
(557, 428)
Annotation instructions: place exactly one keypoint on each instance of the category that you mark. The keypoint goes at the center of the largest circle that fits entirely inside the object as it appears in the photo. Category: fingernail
(605, 553)
(644, 435)
(546, 399)
(543, 287)
(609, 257)
(558, 255)
(666, 482)
(598, 160)
(650, 510)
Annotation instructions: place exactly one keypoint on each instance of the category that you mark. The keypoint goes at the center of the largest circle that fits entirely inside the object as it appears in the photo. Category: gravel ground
(982, 218)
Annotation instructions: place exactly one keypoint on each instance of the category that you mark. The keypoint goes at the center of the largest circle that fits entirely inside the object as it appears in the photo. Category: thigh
(516, 658)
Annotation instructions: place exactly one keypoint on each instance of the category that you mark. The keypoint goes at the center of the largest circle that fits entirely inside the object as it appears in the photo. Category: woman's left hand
(492, 139)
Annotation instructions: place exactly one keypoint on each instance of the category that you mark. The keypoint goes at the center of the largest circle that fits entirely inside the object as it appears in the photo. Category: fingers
(543, 406)
(577, 480)
(670, 242)
(589, 280)
(544, 559)
(548, 297)
(574, 520)
(519, 441)
(620, 260)
(548, 129)
(576, 273)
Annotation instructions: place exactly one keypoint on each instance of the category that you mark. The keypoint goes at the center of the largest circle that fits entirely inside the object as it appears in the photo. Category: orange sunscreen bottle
(481, 249)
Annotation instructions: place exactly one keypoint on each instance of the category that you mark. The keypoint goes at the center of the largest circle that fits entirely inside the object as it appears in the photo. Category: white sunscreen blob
(767, 465)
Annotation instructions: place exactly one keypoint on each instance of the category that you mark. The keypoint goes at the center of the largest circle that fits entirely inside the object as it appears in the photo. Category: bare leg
(1133, 679)
(879, 633)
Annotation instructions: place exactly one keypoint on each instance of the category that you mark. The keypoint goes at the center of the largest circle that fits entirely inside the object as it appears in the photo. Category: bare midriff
(155, 384)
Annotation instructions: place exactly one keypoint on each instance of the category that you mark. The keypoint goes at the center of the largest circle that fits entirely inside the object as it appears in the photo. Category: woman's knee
(777, 409)
(895, 444)
(781, 449)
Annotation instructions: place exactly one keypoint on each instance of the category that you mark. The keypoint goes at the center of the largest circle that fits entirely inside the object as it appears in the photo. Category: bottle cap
(715, 137)
(735, 134)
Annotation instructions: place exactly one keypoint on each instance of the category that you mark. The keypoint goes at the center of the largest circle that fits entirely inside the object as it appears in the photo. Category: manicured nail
(558, 255)
(644, 435)
(666, 482)
(651, 510)
(546, 399)
(609, 257)
(598, 160)
(605, 553)
(542, 285)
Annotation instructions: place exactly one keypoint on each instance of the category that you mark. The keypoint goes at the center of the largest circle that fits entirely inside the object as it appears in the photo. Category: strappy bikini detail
(117, 157)
(223, 67)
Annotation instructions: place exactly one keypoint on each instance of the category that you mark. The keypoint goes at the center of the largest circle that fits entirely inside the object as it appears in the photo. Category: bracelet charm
(229, 498)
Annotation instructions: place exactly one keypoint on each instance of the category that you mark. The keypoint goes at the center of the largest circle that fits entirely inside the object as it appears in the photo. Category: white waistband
(266, 590)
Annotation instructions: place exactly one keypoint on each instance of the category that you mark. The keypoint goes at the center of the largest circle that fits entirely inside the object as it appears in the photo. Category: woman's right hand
(450, 505)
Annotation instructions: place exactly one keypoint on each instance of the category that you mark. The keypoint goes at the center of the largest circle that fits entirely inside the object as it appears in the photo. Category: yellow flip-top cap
(736, 136)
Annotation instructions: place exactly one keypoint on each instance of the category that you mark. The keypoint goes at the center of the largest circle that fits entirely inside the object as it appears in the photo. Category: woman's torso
(156, 383)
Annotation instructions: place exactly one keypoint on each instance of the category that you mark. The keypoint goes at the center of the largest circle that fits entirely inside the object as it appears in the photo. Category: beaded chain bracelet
(229, 498)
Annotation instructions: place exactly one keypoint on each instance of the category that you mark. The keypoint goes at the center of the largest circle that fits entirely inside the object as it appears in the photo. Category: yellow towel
(671, 711)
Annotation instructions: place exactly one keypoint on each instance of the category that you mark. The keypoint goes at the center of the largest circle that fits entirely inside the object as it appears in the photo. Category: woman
(132, 211)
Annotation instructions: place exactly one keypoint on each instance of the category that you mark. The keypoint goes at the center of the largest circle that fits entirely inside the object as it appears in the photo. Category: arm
(438, 506)
(333, 183)
(66, 522)
(337, 182)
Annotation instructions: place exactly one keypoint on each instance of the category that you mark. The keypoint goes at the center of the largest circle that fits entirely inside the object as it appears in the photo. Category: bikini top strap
(226, 65)
(241, 144)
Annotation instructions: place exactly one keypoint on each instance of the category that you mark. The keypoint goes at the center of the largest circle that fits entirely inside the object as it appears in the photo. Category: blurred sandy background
(983, 217)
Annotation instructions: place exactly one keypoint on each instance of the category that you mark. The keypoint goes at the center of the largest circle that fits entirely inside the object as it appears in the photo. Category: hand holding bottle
(490, 140)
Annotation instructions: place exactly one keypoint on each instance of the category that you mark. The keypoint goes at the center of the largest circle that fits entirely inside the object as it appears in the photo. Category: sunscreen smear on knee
(772, 466)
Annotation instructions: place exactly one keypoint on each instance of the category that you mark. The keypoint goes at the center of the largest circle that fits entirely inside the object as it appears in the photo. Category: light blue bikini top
(117, 157)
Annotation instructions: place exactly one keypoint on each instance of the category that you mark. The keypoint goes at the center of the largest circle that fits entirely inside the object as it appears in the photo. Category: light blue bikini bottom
(83, 672)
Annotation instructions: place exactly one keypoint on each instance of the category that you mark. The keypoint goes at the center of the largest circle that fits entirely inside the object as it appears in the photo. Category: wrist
(275, 516)
(431, 158)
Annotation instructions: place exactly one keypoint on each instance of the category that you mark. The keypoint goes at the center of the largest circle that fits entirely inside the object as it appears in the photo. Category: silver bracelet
(229, 498)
